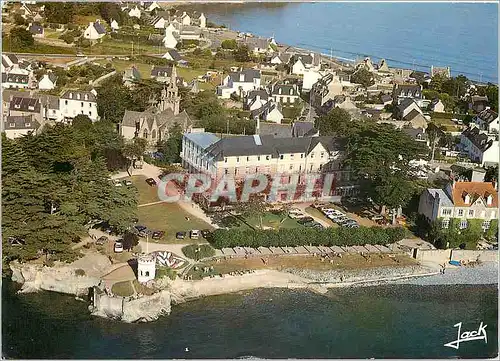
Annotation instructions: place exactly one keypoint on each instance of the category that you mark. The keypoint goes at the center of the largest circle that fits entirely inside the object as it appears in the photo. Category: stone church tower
(170, 98)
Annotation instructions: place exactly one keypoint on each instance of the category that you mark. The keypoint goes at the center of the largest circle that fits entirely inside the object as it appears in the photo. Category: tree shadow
(133, 264)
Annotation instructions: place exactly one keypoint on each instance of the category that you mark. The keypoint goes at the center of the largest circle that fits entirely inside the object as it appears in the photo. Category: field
(351, 261)
(38, 48)
(122, 65)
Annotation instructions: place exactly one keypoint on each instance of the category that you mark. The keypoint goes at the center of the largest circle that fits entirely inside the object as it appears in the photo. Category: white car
(195, 234)
(118, 247)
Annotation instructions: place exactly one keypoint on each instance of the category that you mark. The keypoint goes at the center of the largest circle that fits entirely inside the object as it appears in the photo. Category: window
(463, 224)
(446, 212)
(226, 171)
(27, 125)
(493, 215)
(312, 155)
(291, 167)
(248, 158)
(281, 156)
(445, 224)
(471, 213)
(12, 125)
(225, 160)
(90, 113)
(301, 155)
(258, 158)
(291, 156)
(460, 212)
(147, 273)
(53, 111)
(486, 225)
(267, 157)
(65, 102)
(237, 159)
(82, 104)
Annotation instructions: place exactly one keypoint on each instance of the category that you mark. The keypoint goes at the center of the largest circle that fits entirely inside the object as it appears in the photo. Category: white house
(185, 19)
(75, 102)
(239, 83)
(114, 25)
(480, 147)
(255, 99)
(94, 31)
(203, 21)
(270, 112)
(18, 125)
(159, 22)
(173, 55)
(487, 121)
(153, 6)
(48, 82)
(310, 78)
(301, 62)
(437, 106)
(169, 40)
(135, 13)
(285, 93)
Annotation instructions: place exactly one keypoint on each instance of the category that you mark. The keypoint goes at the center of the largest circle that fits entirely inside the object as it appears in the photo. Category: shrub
(291, 237)
(229, 44)
(197, 252)
(80, 272)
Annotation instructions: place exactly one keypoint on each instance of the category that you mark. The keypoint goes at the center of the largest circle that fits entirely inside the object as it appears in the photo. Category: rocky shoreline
(63, 278)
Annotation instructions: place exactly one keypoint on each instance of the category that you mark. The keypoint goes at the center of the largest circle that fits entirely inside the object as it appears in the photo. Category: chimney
(495, 184)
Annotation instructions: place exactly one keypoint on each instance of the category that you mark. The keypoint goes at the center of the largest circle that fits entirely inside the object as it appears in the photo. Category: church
(156, 122)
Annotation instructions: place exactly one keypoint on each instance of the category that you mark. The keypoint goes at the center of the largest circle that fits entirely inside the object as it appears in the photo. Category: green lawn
(121, 65)
(123, 289)
(275, 221)
(147, 194)
(114, 46)
(170, 218)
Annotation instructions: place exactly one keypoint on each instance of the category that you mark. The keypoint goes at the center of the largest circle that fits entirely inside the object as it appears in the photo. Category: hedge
(291, 237)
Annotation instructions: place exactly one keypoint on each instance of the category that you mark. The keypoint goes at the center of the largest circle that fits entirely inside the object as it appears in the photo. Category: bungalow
(16, 126)
(437, 106)
(48, 81)
(259, 45)
(173, 55)
(285, 93)
(135, 13)
(161, 74)
(401, 92)
(270, 112)
(114, 25)
(487, 121)
(131, 76)
(417, 134)
(94, 31)
(301, 62)
(36, 30)
(281, 58)
(240, 83)
(478, 103)
(479, 146)
(255, 99)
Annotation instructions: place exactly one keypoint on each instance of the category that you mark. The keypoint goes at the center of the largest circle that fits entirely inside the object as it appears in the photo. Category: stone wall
(444, 255)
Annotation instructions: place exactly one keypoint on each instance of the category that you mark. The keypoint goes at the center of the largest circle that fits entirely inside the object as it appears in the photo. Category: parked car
(351, 225)
(157, 234)
(118, 183)
(377, 217)
(101, 240)
(127, 182)
(144, 233)
(205, 233)
(180, 235)
(118, 247)
(328, 210)
(311, 224)
(305, 220)
(151, 182)
(296, 215)
(140, 228)
(194, 234)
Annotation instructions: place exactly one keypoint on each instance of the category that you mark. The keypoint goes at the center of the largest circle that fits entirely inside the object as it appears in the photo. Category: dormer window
(12, 125)
(71, 95)
(86, 97)
(31, 107)
(78, 96)
(466, 198)
(17, 106)
(27, 125)
(489, 199)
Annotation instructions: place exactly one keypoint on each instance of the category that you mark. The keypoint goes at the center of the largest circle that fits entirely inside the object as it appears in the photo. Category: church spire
(173, 77)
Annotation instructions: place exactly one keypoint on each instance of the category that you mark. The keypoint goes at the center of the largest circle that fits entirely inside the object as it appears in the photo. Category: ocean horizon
(463, 36)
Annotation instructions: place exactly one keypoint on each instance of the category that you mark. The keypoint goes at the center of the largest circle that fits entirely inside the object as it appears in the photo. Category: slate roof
(405, 103)
(249, 75)
(161, 71)
(203, 140)
(270, 145)
(386, 98)
(132, 73)
(303, 129)
(412, 115)
(99, 28)
(174, 54)
(51, 100)
(488, 116)
(407, 90)
(444, 198)
(21, 122)
(253, 94)
(25, 104)
(260, 43)
(480, 140)
(15, 78)
(415, 133)
(79, 95)
(36, 29)
(274, 129)
(9, 57)
(286, 89)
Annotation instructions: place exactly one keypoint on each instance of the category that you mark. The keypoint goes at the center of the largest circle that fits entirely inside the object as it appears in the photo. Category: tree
(491, 91)
(82, 121)
(110, 11)
(491, 174)
(59, 13)
(113, 98)
(21, 38)
(242, 54)
(19, 20)
(255, 207)
(336, 122)
(171, 148)
(434, 134)
(229, 44)
(130, 240)
(363, 77)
